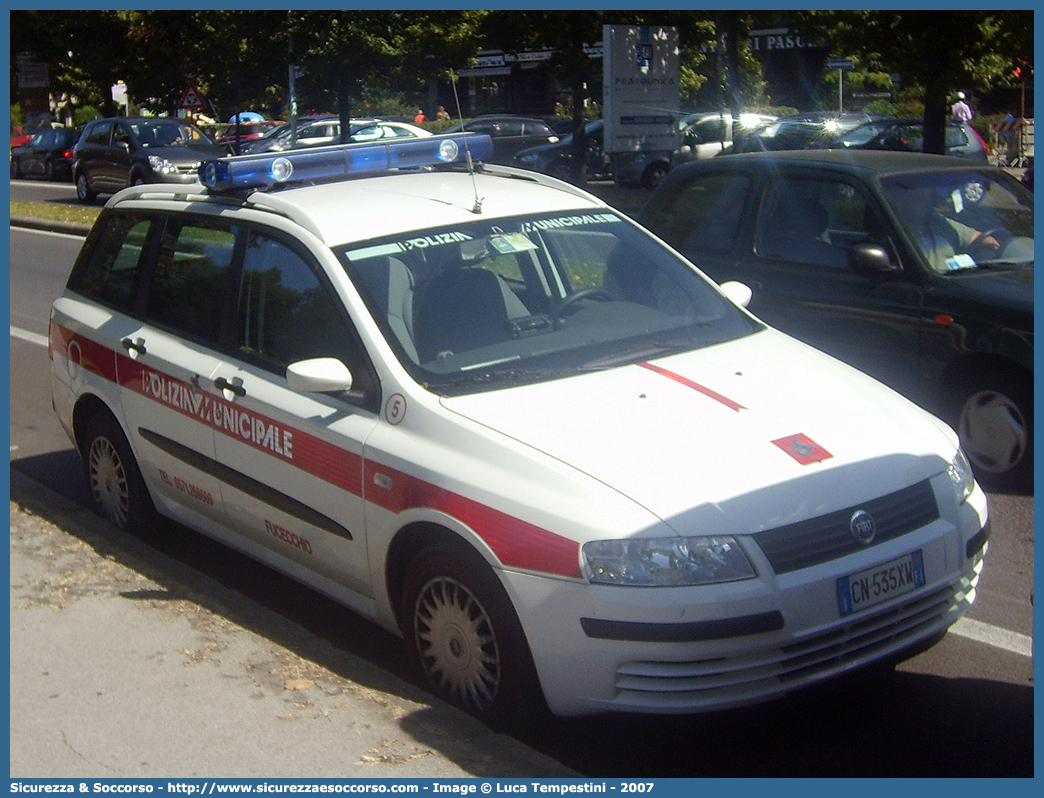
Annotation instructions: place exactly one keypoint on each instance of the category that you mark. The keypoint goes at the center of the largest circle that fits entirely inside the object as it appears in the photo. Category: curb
(356, 720)
(52, 225)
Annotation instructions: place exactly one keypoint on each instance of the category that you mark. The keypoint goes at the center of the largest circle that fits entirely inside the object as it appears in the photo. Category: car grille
(828, 537)
(770, 671)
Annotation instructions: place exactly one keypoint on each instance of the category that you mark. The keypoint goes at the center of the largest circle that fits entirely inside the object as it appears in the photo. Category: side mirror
(739, 293)
(871, 258)
(319, 375)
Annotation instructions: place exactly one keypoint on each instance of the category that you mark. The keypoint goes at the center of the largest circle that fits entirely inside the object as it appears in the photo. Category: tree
(942, 51)
(346, 53)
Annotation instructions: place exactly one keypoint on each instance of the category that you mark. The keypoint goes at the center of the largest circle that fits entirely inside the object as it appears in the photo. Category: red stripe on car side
(516, 543)
(717, 397)
(85, 353)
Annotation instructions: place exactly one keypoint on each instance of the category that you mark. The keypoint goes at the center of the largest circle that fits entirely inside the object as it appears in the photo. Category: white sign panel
(641, 100)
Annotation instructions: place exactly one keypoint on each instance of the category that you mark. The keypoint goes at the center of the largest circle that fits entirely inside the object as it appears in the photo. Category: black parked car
(49, 154)
(510, 133)
(916, 268)
(119, 152)
(557, 159)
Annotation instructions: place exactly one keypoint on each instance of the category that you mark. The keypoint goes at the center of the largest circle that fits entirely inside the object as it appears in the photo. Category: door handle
(134, 346)
(225, 385)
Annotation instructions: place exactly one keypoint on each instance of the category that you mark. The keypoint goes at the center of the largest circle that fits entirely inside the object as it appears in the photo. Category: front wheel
(464, 637)
(993, 415)
(114, 482)
(654, 175)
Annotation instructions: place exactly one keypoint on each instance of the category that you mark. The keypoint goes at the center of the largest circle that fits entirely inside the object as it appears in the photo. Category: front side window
(99, 133)
(814, 221)
(961, 219)
(285, 312)
(490, 303)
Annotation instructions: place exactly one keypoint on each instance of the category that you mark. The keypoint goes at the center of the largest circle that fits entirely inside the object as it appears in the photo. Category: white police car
(486, 410)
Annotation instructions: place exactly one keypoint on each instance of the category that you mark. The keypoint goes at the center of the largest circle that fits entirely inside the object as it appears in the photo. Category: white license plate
(880, 583)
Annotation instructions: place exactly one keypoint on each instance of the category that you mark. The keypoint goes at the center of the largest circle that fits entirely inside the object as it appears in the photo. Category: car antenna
(477, 207)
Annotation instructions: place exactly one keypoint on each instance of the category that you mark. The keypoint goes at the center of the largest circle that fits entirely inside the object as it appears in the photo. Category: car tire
(115, 486)
(562, 170)
(83, 190)
(48, 169)
(992, 411)
(16, 169)
(654, 175)
(464, 638)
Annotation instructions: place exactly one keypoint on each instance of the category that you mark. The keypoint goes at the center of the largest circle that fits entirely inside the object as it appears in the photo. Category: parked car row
(808, 132)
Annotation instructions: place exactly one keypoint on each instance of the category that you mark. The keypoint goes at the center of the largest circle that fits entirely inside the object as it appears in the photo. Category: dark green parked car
(917, 269)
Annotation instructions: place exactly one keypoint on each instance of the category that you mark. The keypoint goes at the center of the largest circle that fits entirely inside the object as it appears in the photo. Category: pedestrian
(442, 114)
(962, 112)
(419, 117)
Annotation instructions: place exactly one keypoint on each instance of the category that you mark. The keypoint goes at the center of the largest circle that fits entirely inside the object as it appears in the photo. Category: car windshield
(167, 134)
(489, 304)
(963, 219)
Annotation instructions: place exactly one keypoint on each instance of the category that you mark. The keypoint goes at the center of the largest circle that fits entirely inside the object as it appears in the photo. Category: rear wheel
(464, 637)
(114, 482)
(83, 189)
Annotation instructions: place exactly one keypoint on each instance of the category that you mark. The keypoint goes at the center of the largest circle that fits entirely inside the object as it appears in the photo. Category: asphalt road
(964, 708)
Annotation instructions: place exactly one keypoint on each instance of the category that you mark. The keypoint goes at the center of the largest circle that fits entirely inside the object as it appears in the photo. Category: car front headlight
(666, 562)
(961, 477)
(161, 166)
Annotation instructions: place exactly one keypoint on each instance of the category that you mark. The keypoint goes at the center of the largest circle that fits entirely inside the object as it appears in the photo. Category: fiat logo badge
(863, 527)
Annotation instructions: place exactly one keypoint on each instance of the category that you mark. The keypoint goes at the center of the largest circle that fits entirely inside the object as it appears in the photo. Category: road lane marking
(993, 636)
(966, 627)
(31, 337)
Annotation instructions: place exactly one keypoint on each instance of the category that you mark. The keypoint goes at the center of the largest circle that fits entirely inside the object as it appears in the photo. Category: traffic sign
(840, 63)
(191, 99)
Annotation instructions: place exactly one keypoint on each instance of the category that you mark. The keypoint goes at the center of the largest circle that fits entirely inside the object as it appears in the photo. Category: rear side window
(191, 277)
(112, 271)
(703, 214)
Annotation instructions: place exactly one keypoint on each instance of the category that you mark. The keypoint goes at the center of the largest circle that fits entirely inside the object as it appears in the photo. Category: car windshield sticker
(410, 244)
(508, 243)
(569, 221)
(803, 449)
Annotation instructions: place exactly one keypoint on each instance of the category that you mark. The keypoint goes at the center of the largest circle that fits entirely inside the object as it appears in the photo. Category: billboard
(640, 94)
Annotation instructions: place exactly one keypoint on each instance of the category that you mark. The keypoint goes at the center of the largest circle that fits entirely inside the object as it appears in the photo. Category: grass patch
(55, 211)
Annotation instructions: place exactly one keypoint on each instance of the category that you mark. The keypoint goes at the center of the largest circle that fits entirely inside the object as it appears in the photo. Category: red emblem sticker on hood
(803, 449)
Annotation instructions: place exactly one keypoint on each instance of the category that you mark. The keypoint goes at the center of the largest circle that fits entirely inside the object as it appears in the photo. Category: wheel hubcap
(108, 482)
(992, 431)
(457, 645)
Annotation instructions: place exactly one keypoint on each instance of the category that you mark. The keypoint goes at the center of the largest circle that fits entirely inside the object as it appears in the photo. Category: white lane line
(994, 636)
(966, 627)
(31, 337)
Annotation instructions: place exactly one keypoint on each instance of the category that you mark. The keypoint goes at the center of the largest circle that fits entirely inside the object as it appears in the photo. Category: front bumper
(686, 650)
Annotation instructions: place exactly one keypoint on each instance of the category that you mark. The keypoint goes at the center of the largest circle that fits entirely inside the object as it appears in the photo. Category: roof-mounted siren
(342, 162)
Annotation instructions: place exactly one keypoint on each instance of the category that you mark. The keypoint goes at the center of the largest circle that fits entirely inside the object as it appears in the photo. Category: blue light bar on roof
(323, 164)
